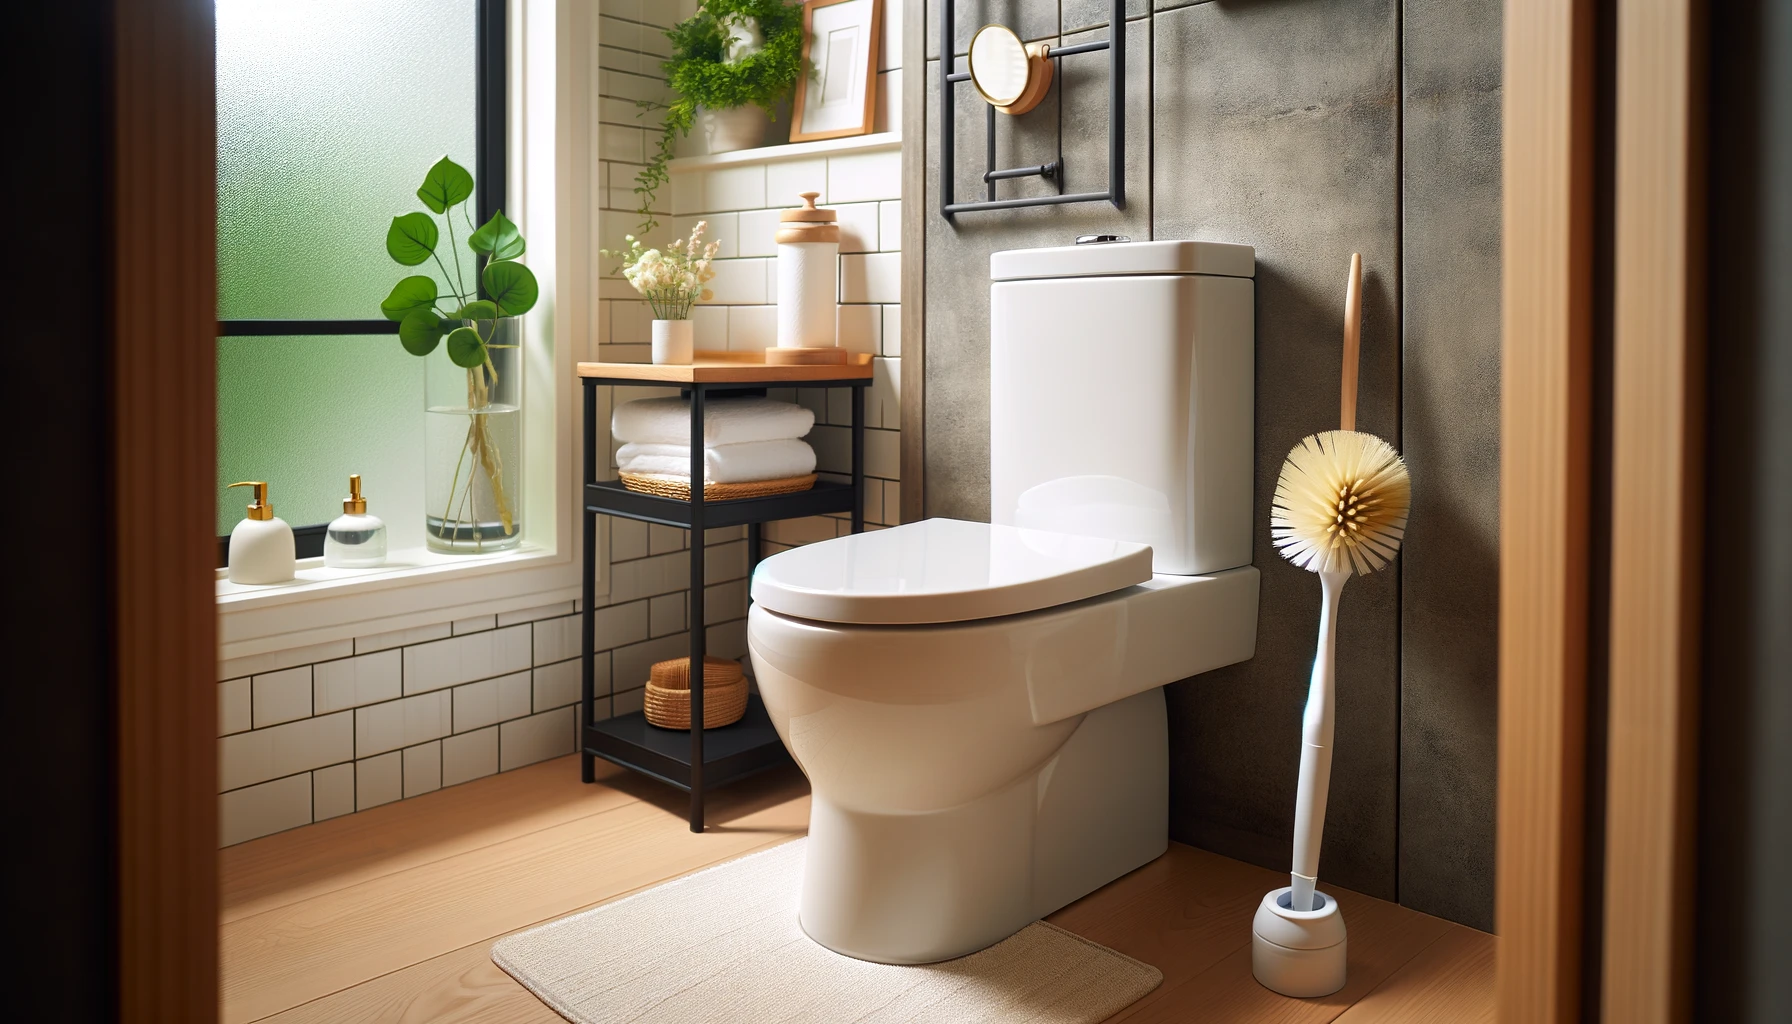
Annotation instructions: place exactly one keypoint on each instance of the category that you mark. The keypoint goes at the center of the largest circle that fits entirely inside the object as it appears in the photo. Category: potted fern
(473, 394)
(732, 64)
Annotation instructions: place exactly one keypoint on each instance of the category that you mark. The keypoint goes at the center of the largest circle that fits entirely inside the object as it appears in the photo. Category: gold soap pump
(261, 545)
(259, 509)
(355, 540)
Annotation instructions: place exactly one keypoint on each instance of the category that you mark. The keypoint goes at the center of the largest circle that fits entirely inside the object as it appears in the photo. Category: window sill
(415, 588)
(402, 568)
(789, 151)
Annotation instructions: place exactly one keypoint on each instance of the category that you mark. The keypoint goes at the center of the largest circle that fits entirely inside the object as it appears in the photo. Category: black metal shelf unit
(705, 759)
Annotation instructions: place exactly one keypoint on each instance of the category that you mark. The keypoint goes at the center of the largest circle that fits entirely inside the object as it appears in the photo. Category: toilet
(979, 706)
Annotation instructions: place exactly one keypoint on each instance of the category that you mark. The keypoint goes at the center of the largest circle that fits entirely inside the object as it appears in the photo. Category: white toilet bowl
(979, 707)
(980, 714)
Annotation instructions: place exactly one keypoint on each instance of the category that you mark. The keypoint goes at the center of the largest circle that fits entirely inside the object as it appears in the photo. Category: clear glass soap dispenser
(355, 540)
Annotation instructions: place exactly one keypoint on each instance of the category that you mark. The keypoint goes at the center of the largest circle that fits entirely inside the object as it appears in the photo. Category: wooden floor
(389, 914)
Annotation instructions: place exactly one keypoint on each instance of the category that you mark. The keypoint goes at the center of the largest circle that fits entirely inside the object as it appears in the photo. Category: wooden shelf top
(731, 367)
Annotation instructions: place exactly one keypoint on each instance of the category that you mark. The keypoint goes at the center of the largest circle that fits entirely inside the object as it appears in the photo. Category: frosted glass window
(329, 114)
(304, 412)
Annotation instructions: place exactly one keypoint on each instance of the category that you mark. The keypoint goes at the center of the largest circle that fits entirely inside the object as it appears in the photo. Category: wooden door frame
(1546, 399)
(1656, 486)
(913, 466)
(163, 472)
(1658, 444)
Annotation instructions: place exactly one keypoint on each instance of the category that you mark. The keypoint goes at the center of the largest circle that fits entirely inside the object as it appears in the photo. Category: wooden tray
(731, 367)
(814, 356)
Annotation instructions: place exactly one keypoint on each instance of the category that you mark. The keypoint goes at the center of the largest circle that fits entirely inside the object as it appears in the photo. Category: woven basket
(675, 673)
(680, 488)
(668, 699)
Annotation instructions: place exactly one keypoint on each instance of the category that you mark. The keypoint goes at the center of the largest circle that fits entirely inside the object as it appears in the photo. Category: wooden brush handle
(1353, 337)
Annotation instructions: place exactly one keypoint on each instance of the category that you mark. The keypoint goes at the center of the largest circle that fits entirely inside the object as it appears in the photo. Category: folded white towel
(722, 464)
(725, 421)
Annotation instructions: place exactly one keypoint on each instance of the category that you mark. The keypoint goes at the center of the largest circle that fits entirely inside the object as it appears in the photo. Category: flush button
(1100, 239)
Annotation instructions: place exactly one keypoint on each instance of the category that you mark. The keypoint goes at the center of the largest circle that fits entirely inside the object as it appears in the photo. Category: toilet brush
(1340, 508)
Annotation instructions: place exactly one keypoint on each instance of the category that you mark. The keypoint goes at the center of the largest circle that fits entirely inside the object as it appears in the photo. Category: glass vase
(472, 475)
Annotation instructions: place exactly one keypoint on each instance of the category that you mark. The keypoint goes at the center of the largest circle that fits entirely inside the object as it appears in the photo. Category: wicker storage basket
(680, 488)
(668, 699)
(675, 673)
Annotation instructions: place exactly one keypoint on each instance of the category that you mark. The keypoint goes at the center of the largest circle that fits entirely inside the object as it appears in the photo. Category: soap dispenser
(261, 548)
(355, 540)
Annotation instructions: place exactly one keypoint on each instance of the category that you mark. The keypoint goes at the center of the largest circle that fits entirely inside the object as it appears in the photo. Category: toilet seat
(944, 570)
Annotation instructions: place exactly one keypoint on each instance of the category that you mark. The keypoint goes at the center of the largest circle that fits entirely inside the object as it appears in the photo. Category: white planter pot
(725, 131)
(673, 342)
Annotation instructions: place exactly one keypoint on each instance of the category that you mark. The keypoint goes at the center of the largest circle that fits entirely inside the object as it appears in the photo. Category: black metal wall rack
(1115, 45)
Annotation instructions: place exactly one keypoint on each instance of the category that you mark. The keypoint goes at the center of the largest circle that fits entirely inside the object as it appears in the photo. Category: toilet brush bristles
(1341, 503)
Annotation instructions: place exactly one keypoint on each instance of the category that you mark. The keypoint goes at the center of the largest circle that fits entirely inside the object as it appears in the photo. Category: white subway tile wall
(480, 704)
(320, 731)
(475, 624)
(282, 696)
(535, 614)
(558, 685)
(470, 756)
(247, 758)
(462, 659)
(352, 682)
(406, 720)
(233, 706)
(402, 637)
(332, 791)
(269, 807)
(536, 738)
(273, 661)
(400, 723)
(423, 768)
(378, 780)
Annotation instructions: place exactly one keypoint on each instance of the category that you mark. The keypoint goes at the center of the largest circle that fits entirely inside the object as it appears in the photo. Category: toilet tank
(1120, 396)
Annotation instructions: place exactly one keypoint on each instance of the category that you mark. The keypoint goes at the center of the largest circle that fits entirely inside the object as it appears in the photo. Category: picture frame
(837, 94)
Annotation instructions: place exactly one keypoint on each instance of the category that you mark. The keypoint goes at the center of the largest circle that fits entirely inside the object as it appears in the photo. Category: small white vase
(672, 342)
(742, 127)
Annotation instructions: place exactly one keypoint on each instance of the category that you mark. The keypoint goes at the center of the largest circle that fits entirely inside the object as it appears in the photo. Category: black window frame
(489, 193)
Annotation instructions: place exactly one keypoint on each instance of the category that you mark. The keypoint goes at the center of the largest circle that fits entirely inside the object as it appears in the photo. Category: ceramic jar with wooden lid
(808, 255)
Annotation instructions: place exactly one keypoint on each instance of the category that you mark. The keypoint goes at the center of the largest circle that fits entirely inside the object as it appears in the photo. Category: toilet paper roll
(807, 294)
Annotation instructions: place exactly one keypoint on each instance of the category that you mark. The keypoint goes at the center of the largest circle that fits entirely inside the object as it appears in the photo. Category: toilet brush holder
(1298, 953)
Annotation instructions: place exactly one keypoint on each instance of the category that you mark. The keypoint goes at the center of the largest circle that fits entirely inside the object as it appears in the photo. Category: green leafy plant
(464, 318)
(701, 75)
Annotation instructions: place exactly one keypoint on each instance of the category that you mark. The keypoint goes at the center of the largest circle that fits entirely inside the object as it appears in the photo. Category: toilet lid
(944, 570)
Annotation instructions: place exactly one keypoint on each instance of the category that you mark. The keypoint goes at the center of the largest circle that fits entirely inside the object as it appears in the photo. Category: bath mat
(723, 946)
